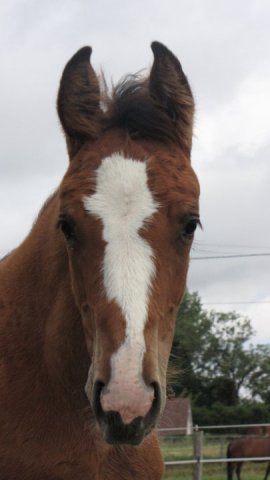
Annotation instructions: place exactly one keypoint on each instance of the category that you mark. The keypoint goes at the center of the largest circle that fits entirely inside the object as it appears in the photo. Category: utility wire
(235, 303)
(231, 245)
(244, 255)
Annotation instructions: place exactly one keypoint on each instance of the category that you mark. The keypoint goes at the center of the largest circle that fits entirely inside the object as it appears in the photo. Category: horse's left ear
(170, 88)
(78, 101)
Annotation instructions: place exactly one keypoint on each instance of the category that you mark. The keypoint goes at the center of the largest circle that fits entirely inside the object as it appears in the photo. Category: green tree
(214, 362)
(227, 361)
(259, 382)
(191, 332)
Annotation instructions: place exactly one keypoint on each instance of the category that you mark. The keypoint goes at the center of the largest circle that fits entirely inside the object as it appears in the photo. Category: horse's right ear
(78, 101)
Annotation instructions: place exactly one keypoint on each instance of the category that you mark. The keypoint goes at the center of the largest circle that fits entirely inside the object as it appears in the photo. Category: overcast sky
(223, 46)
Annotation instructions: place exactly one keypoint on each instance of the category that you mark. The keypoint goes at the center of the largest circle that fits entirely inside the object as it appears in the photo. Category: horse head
(128, 211)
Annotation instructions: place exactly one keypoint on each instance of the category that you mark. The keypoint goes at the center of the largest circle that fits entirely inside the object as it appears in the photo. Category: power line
(244, 255)
(230, 245)
(236, 303)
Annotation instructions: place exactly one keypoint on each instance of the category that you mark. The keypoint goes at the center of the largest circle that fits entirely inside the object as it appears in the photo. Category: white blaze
(124, 204)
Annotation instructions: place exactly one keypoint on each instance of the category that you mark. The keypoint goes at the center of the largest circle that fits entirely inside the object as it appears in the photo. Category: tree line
(215, 364)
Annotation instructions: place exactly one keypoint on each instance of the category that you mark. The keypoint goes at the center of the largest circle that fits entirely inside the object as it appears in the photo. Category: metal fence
(198, 446)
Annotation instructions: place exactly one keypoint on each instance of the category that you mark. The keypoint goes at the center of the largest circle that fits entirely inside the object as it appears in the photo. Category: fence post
(198, 453)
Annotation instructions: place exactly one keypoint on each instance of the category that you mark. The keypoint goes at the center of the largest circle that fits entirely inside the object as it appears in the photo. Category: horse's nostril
(96, 404)
(155, 408)
(157, 397)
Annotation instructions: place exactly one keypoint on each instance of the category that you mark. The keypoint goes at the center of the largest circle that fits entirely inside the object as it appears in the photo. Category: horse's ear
(78, 101)
(170, 88)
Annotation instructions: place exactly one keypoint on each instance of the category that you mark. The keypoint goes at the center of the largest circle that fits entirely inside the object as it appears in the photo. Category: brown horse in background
(88, 301)
(247, 447)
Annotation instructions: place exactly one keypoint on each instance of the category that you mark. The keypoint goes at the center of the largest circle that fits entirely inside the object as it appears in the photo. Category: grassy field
(216, 472)
(181, 448)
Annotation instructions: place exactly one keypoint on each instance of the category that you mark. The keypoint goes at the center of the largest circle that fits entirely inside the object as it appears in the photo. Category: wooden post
(198, 453)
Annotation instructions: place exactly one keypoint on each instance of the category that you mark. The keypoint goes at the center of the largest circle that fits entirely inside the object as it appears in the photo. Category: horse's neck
(39, 319)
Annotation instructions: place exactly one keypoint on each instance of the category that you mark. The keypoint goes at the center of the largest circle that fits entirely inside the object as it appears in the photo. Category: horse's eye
(190, 228)
(67, 226)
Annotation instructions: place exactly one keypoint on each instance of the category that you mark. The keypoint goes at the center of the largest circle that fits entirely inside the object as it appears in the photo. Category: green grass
(216, 472)
(181, 448)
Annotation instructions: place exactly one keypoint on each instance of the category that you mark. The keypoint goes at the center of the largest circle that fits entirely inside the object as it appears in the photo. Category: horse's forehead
(122, 198)
(166, 175)
(173, 180)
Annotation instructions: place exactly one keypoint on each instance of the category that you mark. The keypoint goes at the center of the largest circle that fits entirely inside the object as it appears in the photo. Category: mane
(131, 107)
